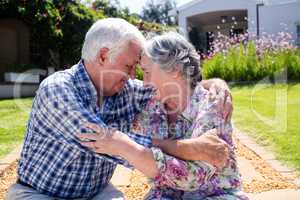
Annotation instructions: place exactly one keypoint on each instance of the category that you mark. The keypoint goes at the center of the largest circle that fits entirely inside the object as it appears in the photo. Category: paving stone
(297, 182)
(11, 157)
(279, 166)
(3, 167)
(263, 153)
(121, 176)
(287, 194)
(247, 171)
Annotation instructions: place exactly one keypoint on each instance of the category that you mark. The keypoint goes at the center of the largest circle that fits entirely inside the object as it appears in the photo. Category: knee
(12, 192)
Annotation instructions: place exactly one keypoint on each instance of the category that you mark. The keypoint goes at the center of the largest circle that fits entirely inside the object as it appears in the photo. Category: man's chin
(115, 90)
(111, 93)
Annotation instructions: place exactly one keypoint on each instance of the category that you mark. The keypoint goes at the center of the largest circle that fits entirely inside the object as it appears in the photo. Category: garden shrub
(253, 60)
(58, 27)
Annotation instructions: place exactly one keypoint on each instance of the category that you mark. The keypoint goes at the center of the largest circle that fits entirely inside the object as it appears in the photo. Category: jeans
(20, 192)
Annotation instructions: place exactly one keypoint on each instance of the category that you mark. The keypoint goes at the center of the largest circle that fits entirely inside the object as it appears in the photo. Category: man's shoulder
(58, 78)
(58, 82)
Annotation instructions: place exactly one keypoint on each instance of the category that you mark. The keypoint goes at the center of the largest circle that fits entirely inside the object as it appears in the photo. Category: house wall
(280, 17)
(9, 91)
(14, 40)
(272, 16)
(206, 6)
(224, 28)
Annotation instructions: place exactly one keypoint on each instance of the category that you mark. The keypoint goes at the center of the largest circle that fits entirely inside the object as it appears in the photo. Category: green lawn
(271, 114)
(13, 117)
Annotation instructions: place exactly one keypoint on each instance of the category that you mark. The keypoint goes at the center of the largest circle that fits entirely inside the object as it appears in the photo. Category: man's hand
(113, 142)
(208, 148)
(219, 90)
(104, 140)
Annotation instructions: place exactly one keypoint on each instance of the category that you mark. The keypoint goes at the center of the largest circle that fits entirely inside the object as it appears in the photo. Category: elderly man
(54, 164)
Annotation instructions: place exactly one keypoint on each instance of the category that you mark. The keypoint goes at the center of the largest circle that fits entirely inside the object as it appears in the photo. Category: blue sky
(135, 6)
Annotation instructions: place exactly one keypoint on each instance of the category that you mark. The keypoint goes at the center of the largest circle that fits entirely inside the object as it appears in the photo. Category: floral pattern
(180, 179)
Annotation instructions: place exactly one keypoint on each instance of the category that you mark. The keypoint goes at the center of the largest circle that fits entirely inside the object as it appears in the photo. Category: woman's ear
(176, 74)
(102, 56)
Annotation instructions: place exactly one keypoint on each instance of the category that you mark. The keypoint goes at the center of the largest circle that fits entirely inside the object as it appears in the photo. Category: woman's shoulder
(152, 121)
(200, 92)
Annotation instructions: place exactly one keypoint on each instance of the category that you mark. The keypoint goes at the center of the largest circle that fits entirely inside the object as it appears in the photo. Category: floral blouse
(197, 179)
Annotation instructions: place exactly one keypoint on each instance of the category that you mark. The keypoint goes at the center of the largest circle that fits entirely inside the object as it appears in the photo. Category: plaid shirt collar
(84, 84)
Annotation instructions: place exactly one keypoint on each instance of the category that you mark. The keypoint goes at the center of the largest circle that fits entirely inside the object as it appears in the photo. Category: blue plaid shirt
(52, 160)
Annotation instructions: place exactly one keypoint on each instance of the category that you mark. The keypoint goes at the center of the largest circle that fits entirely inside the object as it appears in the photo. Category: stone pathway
(121, 177)
(11, 157)
(264, 177)
(287, 194)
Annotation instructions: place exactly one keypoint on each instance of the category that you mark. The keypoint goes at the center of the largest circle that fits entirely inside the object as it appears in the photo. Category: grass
(13, 118)
(271, 114)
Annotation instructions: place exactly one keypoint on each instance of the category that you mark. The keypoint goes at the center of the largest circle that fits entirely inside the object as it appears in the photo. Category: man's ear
(102, 56)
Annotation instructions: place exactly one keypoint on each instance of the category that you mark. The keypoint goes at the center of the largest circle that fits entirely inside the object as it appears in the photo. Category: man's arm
(65, 114)
(116, 143)
(164, 169)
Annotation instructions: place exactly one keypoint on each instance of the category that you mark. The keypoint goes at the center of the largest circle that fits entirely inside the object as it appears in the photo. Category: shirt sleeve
(209, 118)
(152, 121)
(179, 174)
(65, 113)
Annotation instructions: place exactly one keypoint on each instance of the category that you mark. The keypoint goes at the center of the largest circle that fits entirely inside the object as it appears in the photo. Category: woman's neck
(182, 97)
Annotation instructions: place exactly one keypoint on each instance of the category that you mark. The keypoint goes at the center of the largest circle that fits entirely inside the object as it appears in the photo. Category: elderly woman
(182, 108)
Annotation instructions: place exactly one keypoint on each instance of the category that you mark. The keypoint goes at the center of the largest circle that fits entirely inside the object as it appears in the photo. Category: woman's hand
(219, 91)
(104, 140)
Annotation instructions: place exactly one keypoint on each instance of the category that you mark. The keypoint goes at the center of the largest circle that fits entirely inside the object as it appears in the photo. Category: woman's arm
(164, 169)
(116, 143)
(179, 174)
(153, 122)
(208, 147)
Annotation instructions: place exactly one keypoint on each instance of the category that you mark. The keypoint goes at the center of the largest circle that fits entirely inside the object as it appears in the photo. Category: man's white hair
(112, 33)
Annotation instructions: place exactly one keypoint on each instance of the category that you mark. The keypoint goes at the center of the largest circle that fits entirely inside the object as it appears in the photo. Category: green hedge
(58, 27)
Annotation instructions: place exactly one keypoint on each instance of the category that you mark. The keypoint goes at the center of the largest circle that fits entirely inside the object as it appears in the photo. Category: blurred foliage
(158, 12)
(139, 74)
(58, 27)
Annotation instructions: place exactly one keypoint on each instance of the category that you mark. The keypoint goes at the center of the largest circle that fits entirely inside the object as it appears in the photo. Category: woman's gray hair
(171, 51)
